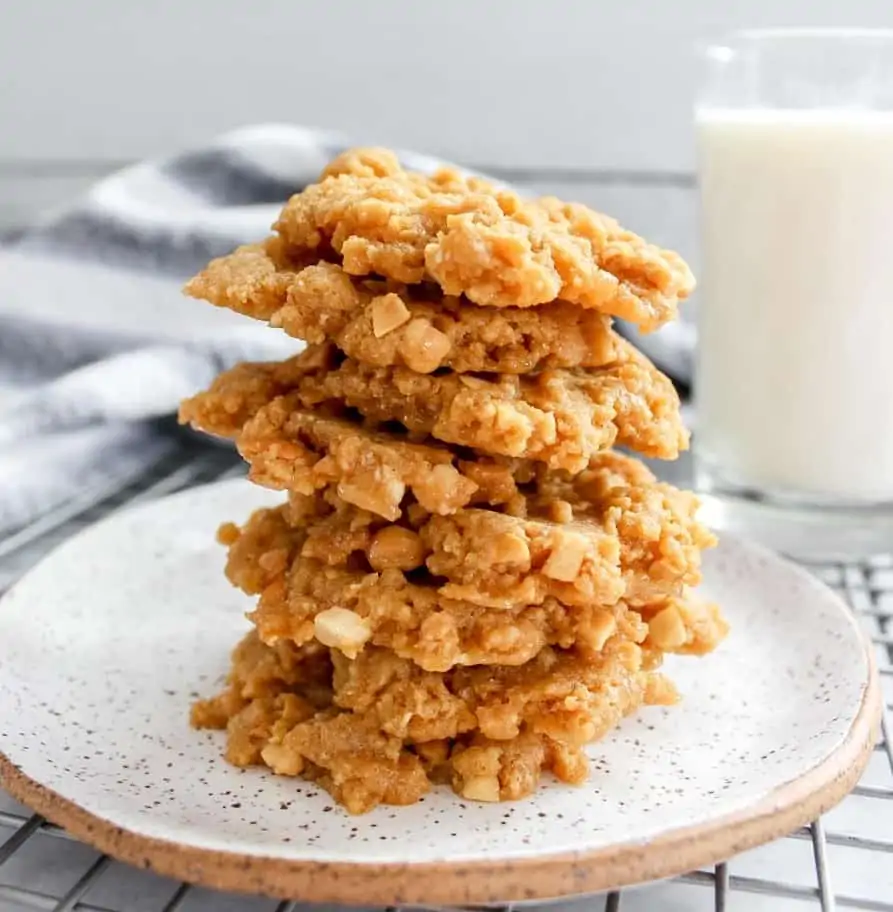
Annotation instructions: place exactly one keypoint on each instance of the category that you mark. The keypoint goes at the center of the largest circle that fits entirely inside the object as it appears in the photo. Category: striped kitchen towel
(96, 340)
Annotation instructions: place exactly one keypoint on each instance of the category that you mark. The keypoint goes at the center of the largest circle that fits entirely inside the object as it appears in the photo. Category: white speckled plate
(105, 644)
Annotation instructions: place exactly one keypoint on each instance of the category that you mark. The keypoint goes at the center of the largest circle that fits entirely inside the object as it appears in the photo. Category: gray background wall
(585, 98)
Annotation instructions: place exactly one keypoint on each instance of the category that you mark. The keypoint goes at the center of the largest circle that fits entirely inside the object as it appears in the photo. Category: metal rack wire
(850, 864)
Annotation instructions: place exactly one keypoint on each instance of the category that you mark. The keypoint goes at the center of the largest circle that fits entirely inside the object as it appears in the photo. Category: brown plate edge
(784, 810)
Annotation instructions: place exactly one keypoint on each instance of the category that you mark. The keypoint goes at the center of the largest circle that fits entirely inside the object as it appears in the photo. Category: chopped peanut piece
(397, 548)
(382, 497)
(388, 313)
(567, 556)
(424, 347)
(560, 511)
(602, 628)
(481, 788)
(443, 488)
(667, 629)
(508, 548)
(282, 761)
(342, 629)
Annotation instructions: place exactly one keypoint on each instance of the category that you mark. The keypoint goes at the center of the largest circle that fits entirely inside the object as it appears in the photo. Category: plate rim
(541, 877)
(788, 807)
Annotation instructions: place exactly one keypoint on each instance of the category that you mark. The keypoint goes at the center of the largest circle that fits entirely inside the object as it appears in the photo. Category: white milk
(795, 382)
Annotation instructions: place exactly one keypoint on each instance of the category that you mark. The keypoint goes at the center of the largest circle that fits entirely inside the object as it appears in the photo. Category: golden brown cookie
(348, 606)
(375, 729)
(480, 241)
(559, 417)
(594, 539)
(387, 323)
(571, 697)
(490, 559)
(348, 609)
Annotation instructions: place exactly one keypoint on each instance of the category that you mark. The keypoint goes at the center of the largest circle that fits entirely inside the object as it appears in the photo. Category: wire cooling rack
(842, 861)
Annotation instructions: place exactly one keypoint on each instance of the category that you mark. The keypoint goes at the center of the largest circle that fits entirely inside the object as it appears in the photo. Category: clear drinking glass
(794, 379)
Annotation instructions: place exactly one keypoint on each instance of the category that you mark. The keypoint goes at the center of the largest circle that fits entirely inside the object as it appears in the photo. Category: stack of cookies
(465, 582)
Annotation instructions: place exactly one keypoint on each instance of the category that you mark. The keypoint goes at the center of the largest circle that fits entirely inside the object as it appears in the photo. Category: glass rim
(738, 38)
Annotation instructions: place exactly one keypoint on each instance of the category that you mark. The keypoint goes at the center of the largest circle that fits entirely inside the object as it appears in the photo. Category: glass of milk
(794, 381)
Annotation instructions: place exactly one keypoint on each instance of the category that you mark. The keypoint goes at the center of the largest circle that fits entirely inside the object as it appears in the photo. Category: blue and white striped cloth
(96, 341)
